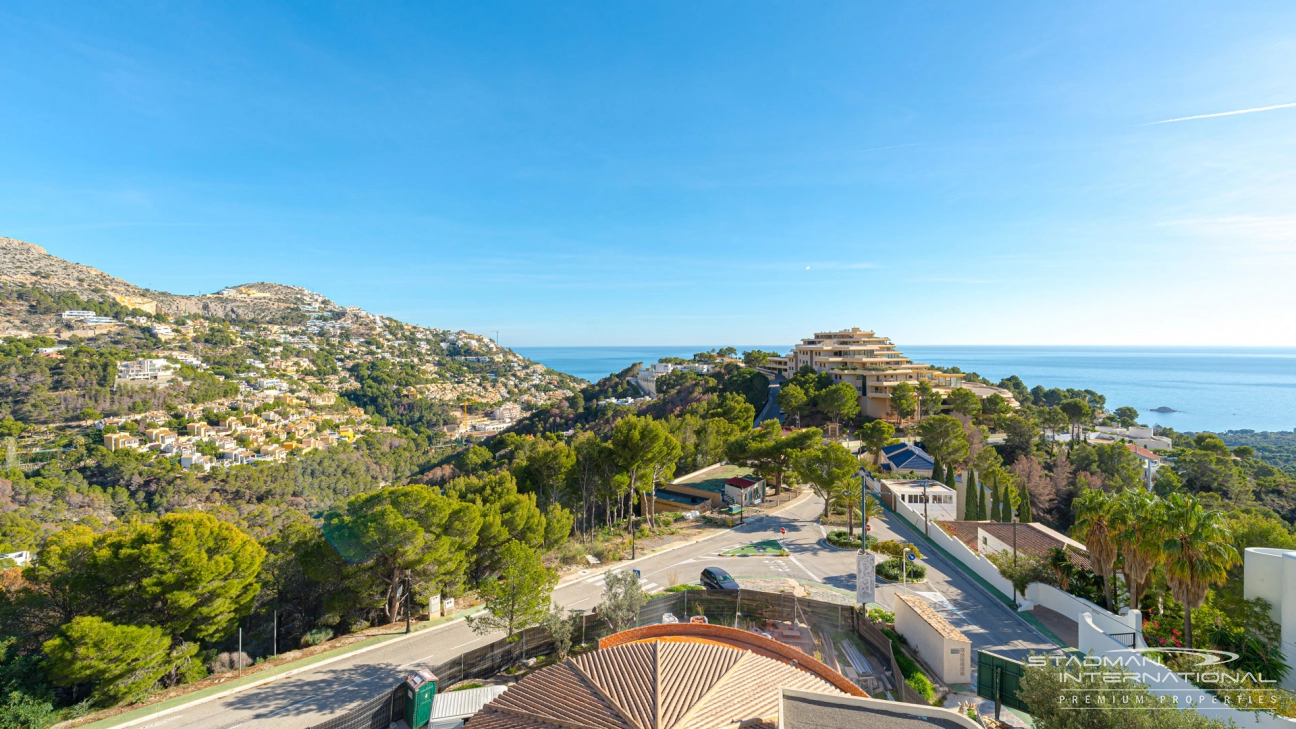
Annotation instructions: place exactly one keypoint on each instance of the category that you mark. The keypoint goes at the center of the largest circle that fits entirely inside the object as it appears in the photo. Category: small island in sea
(1164, 409)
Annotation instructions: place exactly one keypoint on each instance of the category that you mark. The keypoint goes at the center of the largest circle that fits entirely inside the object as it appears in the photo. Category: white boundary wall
(1131, 621)
(979, 565)
(1162, 681)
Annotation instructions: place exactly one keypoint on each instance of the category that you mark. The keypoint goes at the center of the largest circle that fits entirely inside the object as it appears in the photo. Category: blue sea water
(1213, 388)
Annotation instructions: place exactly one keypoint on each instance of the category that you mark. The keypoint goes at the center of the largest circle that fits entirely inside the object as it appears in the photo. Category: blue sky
(677, 173)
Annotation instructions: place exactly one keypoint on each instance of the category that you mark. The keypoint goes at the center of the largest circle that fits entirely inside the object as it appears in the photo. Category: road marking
(797, 562)
(160, 723)
(407, 665)
(461, 645)
(650, 587)
(574, 604)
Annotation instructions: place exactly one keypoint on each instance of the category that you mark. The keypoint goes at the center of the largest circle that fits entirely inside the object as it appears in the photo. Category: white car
(669, 618)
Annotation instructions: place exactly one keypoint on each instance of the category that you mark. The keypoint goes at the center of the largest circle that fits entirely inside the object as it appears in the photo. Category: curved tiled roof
(664, 682)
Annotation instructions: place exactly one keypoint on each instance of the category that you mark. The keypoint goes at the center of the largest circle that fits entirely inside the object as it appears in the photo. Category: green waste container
(420, 689)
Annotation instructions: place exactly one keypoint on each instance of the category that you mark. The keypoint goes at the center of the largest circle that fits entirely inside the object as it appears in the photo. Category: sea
(1209, 388)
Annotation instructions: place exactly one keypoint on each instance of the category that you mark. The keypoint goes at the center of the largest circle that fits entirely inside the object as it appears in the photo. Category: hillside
(58, 365)
(24, 264)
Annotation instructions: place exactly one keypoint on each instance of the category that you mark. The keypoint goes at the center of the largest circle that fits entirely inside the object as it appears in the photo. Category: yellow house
(117, 441)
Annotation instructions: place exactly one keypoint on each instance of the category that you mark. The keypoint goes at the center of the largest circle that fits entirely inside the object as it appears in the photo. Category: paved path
(983, 618)
(771, 409)
(316, 694)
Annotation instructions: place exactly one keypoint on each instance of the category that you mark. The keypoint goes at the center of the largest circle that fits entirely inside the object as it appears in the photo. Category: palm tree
(1198, 553)
(1135, 520)
(1093, 526)
(847, 496)
(872, 510)
(1063, 568)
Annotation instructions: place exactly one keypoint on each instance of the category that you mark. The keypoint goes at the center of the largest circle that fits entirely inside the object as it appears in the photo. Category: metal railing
(1125, 639)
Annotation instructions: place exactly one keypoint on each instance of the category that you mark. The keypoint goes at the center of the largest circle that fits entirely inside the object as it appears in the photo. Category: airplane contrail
(1225, 113)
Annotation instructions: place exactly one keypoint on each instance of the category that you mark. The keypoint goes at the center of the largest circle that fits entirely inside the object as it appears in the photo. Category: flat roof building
(941, 501)
(712, 487)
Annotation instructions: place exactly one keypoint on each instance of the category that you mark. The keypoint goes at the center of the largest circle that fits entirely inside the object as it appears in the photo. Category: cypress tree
(972, 504)
(996, 506)
(1024, 510)
(938, 473)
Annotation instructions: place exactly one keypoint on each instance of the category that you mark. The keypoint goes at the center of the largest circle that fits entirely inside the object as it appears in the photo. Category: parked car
(698, 620)
(714, 578)
(669, 618)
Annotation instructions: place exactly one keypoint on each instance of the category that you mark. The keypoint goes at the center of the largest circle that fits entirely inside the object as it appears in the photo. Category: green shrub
(913, 673)
(359, 625)
(839, 538)
(606, 552)
(892, 548)
(890, 569)
(570, 552)
(923, 685)
(317, 636)
(681, 588)
(880, 615)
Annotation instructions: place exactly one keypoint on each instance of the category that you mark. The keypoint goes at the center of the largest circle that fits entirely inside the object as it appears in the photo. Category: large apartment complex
(870, 363)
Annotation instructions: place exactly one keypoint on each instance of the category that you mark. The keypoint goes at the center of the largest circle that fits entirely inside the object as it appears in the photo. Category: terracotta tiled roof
(678, 682)
(933, 618)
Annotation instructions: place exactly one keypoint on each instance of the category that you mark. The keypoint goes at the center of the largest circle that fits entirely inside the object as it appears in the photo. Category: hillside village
(249, 373)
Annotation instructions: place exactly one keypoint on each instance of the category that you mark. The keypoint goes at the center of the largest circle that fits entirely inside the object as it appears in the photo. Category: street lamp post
(632, 531)
(904, 570)
(409, 604)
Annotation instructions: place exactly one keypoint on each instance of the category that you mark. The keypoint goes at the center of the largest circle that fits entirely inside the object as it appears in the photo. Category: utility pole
(409, 605)
(926, 517)
(276, 633)
(1014, 523)
(632, 529)
(240, 655)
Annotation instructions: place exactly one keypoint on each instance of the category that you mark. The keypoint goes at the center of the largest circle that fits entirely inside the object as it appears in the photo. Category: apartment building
(145, 371)
(509, 411)
(870, 363)
(119, 441)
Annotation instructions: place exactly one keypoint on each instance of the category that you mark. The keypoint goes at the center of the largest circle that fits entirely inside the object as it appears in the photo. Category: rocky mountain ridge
(24, 264)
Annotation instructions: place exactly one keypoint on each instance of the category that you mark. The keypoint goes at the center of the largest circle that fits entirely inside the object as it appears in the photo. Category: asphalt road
(314, 695)
(771, 409)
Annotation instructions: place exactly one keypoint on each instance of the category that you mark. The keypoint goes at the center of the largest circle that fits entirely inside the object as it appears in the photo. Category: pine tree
(972, 505)
(1024, 509)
